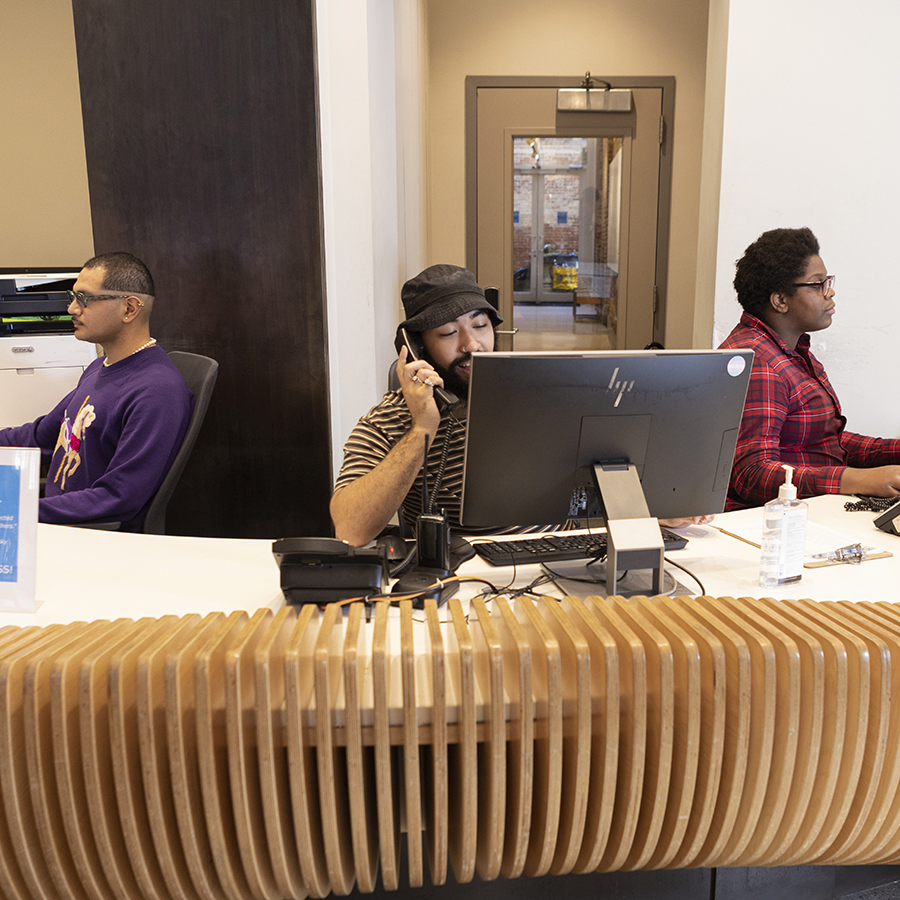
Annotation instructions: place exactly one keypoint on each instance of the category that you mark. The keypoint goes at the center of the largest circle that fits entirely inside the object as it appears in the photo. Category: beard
(453, 381)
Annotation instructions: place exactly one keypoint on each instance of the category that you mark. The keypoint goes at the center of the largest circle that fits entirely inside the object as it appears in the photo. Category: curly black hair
(772, 263)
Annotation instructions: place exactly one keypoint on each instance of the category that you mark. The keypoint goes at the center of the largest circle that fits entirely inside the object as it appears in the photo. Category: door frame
(665, 83)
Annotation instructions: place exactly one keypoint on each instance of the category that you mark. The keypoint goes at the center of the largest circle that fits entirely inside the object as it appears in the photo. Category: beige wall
(530, 37)
(43, 177)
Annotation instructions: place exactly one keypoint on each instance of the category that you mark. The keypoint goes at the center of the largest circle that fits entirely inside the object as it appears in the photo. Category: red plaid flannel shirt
(792, 415)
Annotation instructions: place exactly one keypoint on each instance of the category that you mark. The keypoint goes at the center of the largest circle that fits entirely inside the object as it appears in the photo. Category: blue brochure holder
(19, 488)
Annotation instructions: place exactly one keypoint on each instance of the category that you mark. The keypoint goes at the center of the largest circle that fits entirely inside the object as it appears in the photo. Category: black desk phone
(412, 340)
(324, 569)
(889, 519)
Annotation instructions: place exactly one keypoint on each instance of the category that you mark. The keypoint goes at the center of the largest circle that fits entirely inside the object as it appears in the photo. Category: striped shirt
(381, 429)
(792, 415)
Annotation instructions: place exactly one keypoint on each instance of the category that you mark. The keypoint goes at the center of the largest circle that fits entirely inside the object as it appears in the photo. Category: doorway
(567, 212)
(566, 219)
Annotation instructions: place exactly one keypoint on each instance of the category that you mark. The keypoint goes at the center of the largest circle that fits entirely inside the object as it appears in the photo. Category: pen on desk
(738, 537)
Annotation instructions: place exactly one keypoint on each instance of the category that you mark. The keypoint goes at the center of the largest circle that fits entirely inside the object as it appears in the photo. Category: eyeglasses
(83, 299)
(823, 286)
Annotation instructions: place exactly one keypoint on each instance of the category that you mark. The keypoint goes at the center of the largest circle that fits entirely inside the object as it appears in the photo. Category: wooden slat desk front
(236, 748)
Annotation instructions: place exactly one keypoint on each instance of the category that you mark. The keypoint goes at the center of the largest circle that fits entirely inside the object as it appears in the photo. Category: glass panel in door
(566, 237)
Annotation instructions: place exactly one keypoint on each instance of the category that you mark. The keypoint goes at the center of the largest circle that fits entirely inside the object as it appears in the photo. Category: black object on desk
(887, 521)
(426, 583)
(421, 578)
(324, 570)
(556, 548)
(427, 578)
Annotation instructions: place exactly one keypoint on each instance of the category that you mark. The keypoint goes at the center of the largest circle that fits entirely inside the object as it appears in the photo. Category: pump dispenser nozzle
(788, 491)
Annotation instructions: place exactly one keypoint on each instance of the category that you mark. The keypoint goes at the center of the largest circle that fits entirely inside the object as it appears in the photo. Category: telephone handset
(412, 340)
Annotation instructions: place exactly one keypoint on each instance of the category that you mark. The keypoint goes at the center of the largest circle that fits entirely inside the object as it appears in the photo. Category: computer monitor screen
(538, 422)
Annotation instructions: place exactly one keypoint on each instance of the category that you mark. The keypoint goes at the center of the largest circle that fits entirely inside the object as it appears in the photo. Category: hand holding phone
(414, 349)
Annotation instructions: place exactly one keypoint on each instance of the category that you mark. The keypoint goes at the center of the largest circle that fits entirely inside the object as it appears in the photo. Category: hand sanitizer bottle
(784, 536)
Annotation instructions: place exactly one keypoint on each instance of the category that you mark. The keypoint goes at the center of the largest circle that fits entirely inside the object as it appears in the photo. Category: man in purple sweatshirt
(111, 441)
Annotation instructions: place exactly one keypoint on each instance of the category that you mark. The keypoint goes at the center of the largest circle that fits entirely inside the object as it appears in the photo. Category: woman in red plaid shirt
(792, 414)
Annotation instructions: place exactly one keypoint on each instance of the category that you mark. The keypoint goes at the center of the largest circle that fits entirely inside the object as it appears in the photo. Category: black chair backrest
(199, 373)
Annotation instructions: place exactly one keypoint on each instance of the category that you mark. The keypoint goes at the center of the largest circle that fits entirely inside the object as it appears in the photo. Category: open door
(567, 212)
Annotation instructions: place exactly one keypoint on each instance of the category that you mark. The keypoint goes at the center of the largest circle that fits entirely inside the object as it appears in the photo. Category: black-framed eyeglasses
(83, 299)
(823, 286)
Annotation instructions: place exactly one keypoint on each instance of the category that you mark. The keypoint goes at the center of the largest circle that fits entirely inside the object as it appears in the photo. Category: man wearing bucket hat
(447, 319)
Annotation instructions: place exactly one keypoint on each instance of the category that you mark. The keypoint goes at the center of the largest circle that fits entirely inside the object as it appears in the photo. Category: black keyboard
(556, 547)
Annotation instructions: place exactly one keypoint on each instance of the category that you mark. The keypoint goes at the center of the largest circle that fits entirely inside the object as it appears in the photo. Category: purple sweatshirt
(112, 440)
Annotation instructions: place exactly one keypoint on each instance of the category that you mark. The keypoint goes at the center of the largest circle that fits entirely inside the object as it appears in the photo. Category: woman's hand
(881, 481)
(683, 523)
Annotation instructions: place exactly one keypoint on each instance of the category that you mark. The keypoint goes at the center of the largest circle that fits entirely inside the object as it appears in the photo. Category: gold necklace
(149, 343)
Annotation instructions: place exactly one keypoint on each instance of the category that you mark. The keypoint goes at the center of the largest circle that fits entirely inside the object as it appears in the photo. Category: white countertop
(83, 574)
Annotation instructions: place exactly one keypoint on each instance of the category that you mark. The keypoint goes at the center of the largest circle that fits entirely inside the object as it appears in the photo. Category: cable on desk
(870, 504)
(439, 583)
(490, 590)
(473, 578)
(404, 563)
(620, 577)
(590, 562)
(535, 583)
(396, 598)
(687, 572)
(512, 593)
(512, 577)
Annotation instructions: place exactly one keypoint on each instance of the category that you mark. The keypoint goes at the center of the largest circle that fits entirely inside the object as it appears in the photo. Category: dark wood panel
(202, 151)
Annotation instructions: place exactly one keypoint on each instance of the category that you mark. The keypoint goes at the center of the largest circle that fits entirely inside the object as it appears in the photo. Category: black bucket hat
(441, 294)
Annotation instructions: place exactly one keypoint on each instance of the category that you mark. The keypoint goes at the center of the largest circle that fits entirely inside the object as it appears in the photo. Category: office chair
(199, 373)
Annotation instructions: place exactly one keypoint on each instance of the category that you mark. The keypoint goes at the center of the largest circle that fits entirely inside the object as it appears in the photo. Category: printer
(40, 358)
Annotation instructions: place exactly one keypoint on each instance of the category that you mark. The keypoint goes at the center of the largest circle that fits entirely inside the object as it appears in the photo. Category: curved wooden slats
(285, 756)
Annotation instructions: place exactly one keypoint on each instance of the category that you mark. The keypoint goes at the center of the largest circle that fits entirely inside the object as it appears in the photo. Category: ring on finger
(415, 378)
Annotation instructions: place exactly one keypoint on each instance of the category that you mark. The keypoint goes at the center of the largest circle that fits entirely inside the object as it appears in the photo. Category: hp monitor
(548, 433)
